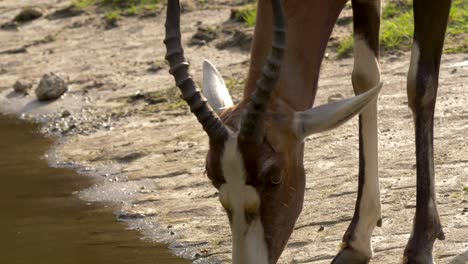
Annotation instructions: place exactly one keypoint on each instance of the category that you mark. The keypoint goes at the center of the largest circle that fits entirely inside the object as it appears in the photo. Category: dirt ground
(147, 152)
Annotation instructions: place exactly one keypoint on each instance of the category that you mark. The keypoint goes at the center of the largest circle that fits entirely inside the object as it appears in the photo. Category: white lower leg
(369, 204)
(366, 74)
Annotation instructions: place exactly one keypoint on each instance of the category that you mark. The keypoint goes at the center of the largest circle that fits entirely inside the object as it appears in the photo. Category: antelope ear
(332, 115)
(214, 88)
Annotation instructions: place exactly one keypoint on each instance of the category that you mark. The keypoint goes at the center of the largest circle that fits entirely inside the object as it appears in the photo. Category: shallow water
(41, 221)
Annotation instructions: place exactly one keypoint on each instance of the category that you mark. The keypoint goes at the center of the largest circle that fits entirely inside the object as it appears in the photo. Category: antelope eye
(272, 175)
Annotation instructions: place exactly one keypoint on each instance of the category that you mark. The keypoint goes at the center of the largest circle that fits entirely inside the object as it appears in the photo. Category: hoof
(409, 258)
(419, 247)
(350, 256)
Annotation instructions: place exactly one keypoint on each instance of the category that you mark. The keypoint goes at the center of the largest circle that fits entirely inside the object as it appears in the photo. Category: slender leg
(430, 24)
(357, 247)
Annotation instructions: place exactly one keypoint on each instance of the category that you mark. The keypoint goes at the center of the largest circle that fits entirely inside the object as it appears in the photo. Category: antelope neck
(307, 35)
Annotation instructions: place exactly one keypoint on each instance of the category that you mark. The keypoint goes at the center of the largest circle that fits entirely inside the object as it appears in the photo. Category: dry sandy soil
(147, 154)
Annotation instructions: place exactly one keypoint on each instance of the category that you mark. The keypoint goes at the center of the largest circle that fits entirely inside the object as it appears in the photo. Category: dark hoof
(441, 235)
(419, 247)
(418, 253)
(350, 256)
(379, 222)
(418, 259)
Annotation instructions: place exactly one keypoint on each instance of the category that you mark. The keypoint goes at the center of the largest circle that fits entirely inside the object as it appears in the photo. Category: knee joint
(422, 90)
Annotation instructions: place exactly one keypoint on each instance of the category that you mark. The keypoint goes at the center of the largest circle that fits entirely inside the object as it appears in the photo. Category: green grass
(397, 27)
(248, 14)
(395, 8)
(83, 4)
(112, 16)
(397, 32)
(345, 48)
(116, 8)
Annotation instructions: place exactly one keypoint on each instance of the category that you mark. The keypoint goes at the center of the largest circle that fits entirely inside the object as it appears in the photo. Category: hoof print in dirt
(22, 86)
(51, 87)
(204, 35)
(69, 11)
(28, 14)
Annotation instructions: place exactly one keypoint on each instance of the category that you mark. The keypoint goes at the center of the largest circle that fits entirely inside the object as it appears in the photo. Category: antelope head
(256, 147)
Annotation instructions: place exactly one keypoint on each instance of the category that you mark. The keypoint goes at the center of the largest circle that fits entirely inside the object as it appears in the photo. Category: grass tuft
(112, 16)
(397, 28)
(122, 7)
(345, 48)
(248, 14)
(395, 8)
(397, 33)
(83, 4)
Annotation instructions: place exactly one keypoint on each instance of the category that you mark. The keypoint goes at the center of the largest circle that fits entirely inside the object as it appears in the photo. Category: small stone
(28, 14)
(204, 35)
(66, 113)
(321, 228)
(10, 25)
(51, 87)
(22, 86)
(154, 68)
(69, 11)
(240, 38)
(335, 98)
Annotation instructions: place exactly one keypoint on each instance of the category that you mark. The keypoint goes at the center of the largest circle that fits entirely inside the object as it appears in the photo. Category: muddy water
(41, 221)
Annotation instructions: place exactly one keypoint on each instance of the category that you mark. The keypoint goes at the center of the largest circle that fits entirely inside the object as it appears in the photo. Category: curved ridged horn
(251, 121)
(179, 68)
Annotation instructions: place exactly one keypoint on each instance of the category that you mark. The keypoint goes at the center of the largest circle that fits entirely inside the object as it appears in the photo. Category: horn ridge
(256, 107)
(179, 68)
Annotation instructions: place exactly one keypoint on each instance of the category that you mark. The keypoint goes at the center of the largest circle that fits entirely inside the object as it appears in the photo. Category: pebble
(66, 113)
(22, 86)
(28, 14)
(335, 97)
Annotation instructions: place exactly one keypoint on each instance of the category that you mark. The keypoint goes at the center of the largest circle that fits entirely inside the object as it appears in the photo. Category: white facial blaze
(241, 200)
